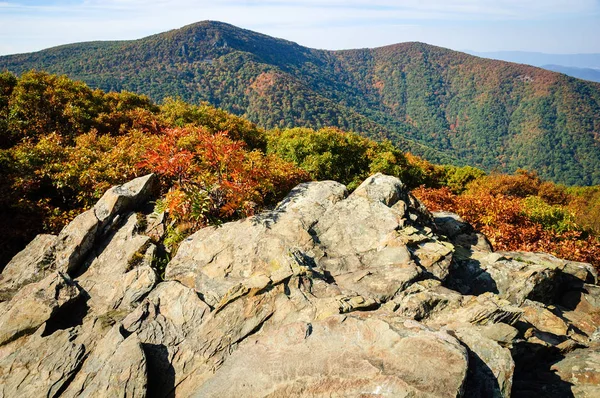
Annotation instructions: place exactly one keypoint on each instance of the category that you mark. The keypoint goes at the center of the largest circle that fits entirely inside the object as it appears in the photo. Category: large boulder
(123, 262)
(459, 232)
(435, 305)
(581, 368)
(491, 366)
(67, 251)
(35, 304)
(116, 368)
(28, 266)
(327, 294)
(256, 252)
(42, 367)
(366, 248)
(581, 307)
(123, 198)
(343, 356)
(517, 276)
(167, 325)
(75, 241)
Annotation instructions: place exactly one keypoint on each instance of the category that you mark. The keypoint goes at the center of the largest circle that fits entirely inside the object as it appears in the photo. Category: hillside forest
(62, 144)
(442, 105)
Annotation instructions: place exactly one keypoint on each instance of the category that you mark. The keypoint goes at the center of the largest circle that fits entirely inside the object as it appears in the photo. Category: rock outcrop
(327, 294)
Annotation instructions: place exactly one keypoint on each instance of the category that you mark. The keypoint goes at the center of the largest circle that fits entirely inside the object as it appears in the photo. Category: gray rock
(381, 188)
(255, 252)
(170, 314)
(78, 237)
(460, 232)
(40, 367)
(328, 294)
(342, 356)
(517, 276)
(435, 256)
(355, 240)
(424, 300)
(364, 252)
(543, 319)
(574, 273)
(450, 224)
(116, 368)
(581, 308)
(474, 241)
(308, 201)
(187, 342)
(119, 262)
(491, 366)
(30, 265)
(476, 322)
(581, 368)
(501, 333)
(438, 306)
(246, 254)
(357, 226)
(34, 304)
(123, 198)
(485, 309)
(167, 324)
(75, 241)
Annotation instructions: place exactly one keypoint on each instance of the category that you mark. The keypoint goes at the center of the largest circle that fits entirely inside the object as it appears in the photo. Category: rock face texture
(328, 294)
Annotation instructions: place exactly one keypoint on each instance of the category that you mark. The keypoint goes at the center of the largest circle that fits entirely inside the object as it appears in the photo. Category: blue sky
(552, 26)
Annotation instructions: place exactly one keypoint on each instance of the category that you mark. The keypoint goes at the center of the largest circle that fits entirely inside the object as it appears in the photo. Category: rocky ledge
(329, 294)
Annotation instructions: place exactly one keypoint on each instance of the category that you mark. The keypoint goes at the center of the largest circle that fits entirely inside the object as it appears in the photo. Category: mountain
(581, 66)
(542, 59)
(447, 106)
(580, 73)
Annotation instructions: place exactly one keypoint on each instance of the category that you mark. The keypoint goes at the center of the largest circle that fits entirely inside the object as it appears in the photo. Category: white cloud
(423, 8)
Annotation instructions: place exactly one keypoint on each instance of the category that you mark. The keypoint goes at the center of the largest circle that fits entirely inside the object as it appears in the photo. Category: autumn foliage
(213, 178)
(62, 145)
(508, 224)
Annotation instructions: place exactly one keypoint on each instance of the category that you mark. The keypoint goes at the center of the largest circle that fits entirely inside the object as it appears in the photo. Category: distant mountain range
(445, 105)
(539, 59)
(581, 66)
(580, 73)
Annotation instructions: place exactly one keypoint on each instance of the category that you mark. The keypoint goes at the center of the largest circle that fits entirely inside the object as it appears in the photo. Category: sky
(550, 26)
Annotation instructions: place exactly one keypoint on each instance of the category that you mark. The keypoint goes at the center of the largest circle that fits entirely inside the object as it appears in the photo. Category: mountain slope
(444, 105)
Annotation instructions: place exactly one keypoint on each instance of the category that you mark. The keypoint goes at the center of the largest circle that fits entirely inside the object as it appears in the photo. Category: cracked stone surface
(331, 293)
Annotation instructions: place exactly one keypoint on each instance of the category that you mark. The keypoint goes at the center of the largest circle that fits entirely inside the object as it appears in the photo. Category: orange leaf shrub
(213, 178)
(503, 220)
(520, 185)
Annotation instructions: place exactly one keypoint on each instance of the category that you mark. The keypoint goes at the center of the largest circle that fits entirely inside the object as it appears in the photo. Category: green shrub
(331, 154)
(177, 113)
(457, 178)
(552, 217)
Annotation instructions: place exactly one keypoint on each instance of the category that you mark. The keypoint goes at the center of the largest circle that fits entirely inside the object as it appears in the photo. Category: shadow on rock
(533, 376)
(68, 316)
(161, 374)
(468, 277)
(575, 290)
(481, 381)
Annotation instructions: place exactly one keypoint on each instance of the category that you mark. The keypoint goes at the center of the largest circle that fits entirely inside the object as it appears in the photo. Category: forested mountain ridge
(445, 105)
(63, 144)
